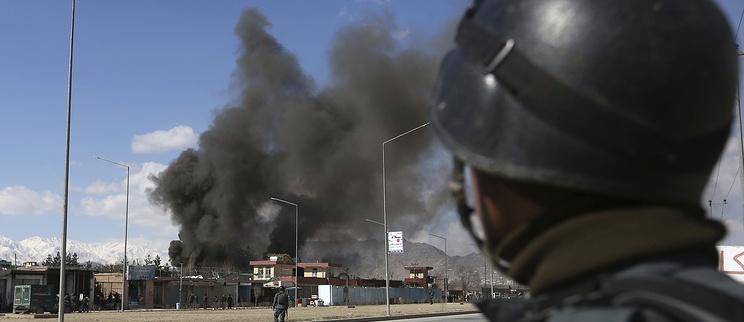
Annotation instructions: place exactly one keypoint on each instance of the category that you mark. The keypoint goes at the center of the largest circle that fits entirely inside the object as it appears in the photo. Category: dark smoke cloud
(320, 148)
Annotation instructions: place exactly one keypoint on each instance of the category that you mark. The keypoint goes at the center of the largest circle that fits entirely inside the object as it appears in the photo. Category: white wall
(335, 295)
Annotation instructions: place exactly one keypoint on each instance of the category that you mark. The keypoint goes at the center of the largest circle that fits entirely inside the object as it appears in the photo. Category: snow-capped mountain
(36, 249)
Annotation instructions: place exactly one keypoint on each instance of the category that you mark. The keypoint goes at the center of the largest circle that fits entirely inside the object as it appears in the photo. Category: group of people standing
(224, 302)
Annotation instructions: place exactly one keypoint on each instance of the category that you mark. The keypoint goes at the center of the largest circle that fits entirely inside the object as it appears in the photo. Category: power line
(715, 186)
(722, 207)
(736, 37)
(738, 167)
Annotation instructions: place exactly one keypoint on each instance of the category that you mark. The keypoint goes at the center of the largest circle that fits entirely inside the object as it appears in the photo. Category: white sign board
(395, 241)
(731, 261)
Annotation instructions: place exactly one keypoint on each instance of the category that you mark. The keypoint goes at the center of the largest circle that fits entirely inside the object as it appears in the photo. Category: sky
(148, 78)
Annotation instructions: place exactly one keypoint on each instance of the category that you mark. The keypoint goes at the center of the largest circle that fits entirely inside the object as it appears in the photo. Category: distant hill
(365, 259)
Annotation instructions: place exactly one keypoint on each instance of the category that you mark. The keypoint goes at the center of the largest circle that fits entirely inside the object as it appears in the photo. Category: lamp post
(126, 227)
(180, 287)
(384, 214)
(62, 277)
(446, 279)
(492, 282)
(297, 229)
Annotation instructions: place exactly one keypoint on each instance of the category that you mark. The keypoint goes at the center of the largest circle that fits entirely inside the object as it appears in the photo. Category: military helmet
(629, 99)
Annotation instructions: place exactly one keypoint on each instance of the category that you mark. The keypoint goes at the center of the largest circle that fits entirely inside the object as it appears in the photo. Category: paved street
(465, 317)
(264, 314)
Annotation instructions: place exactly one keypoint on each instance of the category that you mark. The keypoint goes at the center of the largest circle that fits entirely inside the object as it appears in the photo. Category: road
(475, 317)
(265, 314)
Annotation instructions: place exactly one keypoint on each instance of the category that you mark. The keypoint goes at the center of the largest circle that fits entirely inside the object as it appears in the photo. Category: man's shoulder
(651, 292)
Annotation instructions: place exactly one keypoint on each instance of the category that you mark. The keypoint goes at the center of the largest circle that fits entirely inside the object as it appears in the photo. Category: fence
(340, 295)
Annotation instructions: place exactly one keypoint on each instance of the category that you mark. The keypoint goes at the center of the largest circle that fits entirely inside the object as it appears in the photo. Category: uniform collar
(587, 244)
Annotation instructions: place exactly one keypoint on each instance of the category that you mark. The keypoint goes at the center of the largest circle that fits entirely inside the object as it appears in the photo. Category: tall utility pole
(485, 279)
(741, 142)
(126, 233)
(63, 253)
(738, 115)
(384, 216)
(180, 287)
(491, 297)
(446, 271)
(297, 253)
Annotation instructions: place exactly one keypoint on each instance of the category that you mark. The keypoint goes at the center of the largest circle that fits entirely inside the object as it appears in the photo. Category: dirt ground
(253, 314)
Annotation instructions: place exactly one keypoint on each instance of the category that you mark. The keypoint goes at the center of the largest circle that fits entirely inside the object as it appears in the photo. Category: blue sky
(142, 67)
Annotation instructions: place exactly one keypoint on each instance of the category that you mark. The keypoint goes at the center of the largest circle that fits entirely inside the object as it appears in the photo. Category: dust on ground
(253, 314)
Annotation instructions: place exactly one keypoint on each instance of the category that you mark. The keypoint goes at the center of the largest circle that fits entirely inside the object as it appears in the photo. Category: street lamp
(446, 287)
(384, 215)
(126, 227)
(63, 249)
(297, 229)
(180, 287)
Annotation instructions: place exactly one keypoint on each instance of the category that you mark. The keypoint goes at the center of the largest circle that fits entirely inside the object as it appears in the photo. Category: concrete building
(418, 276)
(79, 281)
(321, 270)
(146, 289)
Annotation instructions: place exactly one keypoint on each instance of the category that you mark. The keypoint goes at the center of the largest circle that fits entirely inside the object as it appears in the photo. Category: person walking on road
(280, 305)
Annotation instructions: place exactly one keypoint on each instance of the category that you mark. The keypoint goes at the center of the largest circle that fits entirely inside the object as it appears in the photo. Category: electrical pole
(62, 277)
(180, 287)
(384, 215)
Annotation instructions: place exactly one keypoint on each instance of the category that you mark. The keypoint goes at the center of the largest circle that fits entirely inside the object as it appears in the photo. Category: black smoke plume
(320, 148)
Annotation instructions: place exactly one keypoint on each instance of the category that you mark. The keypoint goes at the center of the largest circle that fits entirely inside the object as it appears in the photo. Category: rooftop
(319, 265)
(419, 268)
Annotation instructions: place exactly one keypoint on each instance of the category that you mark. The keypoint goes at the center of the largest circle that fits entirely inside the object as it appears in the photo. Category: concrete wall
(6, 294)
(336, 295)
(170, 292)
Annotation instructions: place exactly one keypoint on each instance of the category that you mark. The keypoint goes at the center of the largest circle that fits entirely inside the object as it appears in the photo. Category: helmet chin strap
(468, 219)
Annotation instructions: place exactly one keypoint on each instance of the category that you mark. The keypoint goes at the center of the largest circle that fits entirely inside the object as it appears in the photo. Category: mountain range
(36, 249)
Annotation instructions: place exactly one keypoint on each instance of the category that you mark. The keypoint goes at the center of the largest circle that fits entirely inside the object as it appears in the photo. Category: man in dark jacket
(590, 129)
(280, 305)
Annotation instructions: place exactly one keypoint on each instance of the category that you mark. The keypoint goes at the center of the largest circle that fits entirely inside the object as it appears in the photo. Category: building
(147, 289)
(418, 276)
(321, 270)
(278, 270)
(79, 281)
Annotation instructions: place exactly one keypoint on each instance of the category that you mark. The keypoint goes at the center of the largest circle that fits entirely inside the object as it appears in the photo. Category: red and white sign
(395, 242)
(731, 261)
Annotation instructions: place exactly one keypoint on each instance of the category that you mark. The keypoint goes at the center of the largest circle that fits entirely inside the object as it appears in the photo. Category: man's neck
(583, 245)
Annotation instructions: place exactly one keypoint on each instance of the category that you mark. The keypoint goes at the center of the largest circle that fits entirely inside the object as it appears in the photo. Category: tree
(71, 259)
(469, 279)
(49, 261)
(157, 262)
(57, 261)
(148, 260)
(74, 260)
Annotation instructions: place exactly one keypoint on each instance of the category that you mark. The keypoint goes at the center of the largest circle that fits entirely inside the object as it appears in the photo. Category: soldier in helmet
(280, 305)
(589, 129)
